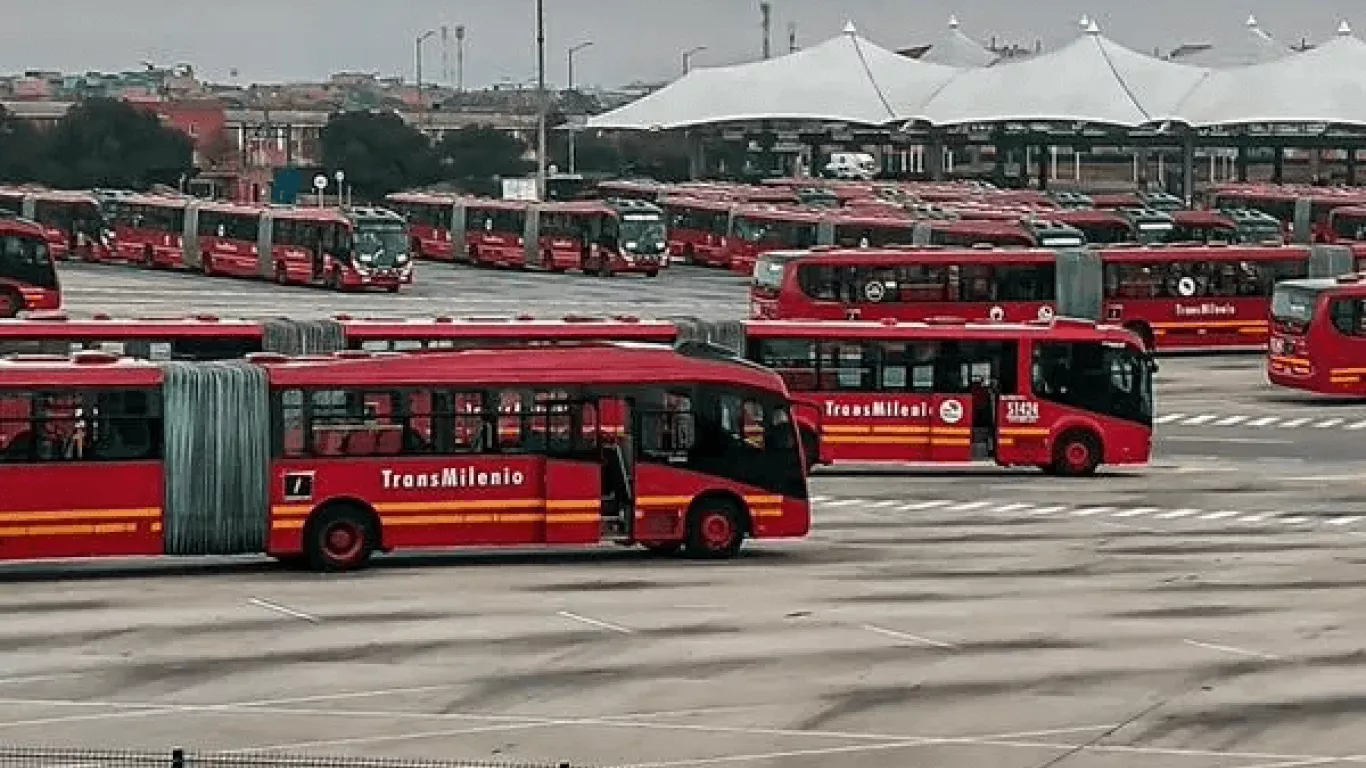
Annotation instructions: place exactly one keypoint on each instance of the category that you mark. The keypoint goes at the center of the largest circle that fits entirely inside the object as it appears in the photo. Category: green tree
(22, 148)
(110, 143)
(592, 153)
(378, 151)
(476, 156)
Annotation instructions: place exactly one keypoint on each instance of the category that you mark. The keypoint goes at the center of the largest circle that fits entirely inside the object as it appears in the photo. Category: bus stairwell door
(265, 247)
(531, 238)
(615, 435)
(190, 252)
(1303, 223)
(574, 476)
(459, 238)
(1079, 284)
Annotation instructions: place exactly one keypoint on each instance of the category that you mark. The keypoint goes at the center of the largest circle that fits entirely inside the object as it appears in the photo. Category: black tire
(340, 538)
(652, 273)
(334, 280)
(716, 530)
(604, 267)
(1076, 454)
(206, 264)
(281, 275)
(663, 549)
(149, 259)
(1144, 334)
(11, 303)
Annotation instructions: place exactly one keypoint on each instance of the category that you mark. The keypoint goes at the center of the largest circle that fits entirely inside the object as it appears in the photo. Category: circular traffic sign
(320, 182)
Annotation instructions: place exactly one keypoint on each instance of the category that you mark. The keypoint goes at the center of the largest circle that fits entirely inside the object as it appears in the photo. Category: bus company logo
(1207, 309)
(878, 409)
(452, 477)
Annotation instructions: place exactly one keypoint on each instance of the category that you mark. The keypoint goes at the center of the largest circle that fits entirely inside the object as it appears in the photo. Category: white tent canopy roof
(1253, 46)
(845, 79)
(1093, 79)
(955, 49)
(1326, 84)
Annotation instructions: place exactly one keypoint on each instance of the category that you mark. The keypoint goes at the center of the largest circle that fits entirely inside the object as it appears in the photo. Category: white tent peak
(1084, 22)
(955, 49)
(953, 22)
(849, 28)
(1344, 29)
(1251, 22)
(1093, 28)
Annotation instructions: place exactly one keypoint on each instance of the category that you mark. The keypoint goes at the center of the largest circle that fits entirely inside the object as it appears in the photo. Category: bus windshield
(768, 273)
(381, 244)
(643, 233)
(27, 260)
(1104, 378)
(1292, 307)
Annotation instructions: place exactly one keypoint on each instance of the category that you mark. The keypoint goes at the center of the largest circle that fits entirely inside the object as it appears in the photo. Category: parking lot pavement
(931, 638)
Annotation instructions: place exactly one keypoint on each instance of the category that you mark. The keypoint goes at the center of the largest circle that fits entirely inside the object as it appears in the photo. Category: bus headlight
(366, 258)
(402, 258)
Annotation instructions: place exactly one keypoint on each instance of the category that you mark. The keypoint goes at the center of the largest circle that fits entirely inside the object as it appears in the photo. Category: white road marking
(884, 504)
(919, 505)
(1295, 520)
(1253, 518)
(1168, 418)
(1357, 425)
(1047, 511)
(1178, 513)
(1264, 421)
(43, 678)
(596, 623)
(1331, 521)
(1231, 420)
(1089, 511)
(820, 499)
(968, 506)
(1232, 649)
(286, 610)
(1220, 515)
(1328, 424)
(1013, 508)
(1294, 423)
(843, 502)
(1225, 440)
(892, 633)
(1135, 512)
(1196, 421)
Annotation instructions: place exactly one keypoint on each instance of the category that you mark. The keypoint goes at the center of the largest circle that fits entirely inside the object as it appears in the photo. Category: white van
(851, 165)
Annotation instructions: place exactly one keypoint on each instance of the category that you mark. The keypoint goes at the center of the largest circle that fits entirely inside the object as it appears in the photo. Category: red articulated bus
(71, 220)
(1066, 396)
(28, 277)
(328, 460)
(431, 222)
(206, 337)
(698, 227)
(148, 230)
(1204, 297)
(1318, 336)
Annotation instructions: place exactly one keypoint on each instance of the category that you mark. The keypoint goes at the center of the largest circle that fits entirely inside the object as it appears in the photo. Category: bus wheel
(149, 259)
(1076, 454)
(811, 446)
(334, 280)
(1144, 334)
(11, 303)
(716, 530)
(206, 264)
(663, 548)
(652, 273)
(339, 538)
(604, 267)
(281, 274)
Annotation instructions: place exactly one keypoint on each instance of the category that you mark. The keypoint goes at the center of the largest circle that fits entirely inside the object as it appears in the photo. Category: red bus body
(1302, 210)
(759, 229)
(28, 277)
(1198, 297)
(87, 473)
(71, 220)
(148, 230)
(698, 227)
(1318, 336)
(954, 392)
(430, 224)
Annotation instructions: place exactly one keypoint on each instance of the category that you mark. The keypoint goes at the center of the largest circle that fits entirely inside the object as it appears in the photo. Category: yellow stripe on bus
(1260, 324)
(69, 530)
(78, 515)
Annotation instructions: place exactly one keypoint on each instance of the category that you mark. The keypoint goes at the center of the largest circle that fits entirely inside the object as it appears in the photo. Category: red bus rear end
(697, 229)
(758, 229)
(1065, 396)
(149, 230)
(430, 220)
(1318, 336)
(28, 277)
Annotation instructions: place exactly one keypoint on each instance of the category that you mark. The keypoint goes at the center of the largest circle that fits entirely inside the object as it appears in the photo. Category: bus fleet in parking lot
(928, 323)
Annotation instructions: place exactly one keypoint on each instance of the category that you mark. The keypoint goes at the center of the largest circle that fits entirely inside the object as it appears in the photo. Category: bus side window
(1347, 317)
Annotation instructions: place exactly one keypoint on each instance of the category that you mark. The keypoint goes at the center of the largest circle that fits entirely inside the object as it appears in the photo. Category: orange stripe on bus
(1260, 324)
(1025, 431)
(79, 515)
(69, 530)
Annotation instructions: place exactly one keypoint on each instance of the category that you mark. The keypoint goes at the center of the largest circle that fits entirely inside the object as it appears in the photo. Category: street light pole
(687, 57)
(573, 162)
(541, 98)
(422, 38)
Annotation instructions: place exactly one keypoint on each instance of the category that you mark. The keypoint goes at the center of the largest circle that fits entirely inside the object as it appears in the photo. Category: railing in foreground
(34, 757)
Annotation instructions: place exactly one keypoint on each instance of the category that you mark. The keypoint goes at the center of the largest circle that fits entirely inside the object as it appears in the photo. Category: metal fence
(35, 757)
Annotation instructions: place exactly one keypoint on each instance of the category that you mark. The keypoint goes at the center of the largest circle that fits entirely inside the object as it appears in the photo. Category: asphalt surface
(1203, 612)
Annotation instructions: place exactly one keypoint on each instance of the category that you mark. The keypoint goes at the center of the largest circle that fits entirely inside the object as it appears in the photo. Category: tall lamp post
(687, 57)
(541, 98)
(573, 162)
(422, 38)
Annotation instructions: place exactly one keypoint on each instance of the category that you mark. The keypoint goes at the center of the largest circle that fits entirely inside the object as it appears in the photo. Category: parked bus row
(72, 220)
(600, 237)
(1200, 297)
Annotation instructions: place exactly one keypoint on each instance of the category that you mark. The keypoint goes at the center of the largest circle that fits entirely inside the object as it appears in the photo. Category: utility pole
(422, 38)
(792, 37)
(541, 99)
(573, 50)
(687, 57)
(766, 11)
(445, 55)
(460, 58)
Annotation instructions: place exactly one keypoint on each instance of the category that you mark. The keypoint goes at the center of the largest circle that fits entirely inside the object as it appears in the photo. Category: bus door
(532, 252)
(619, 421)
(458, 237)
(555, 424)
(961, 387)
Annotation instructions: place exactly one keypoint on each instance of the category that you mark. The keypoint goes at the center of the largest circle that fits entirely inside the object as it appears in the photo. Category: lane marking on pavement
(1231, 649)
(907, 637)
(284, 609)
(596, 623)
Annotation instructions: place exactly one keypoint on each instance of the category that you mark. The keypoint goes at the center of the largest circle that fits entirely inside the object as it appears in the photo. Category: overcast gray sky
(288, 40)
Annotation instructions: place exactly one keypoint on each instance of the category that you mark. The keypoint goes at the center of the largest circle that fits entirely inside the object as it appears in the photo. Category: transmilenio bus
(327, 460)
(28, 278)
(1318, 336)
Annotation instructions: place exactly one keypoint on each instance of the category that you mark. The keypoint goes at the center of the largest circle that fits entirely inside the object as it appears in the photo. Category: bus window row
(1193, 279)
(66, 426)
(928, 283)
(232, 226)
(161, 218)
(920, 367)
